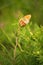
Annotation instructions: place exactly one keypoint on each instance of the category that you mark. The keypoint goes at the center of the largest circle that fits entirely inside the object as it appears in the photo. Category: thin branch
(17, 44)
(15, 47)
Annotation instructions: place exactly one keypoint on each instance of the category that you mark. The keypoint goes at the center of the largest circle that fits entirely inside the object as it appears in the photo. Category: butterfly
(25, 20)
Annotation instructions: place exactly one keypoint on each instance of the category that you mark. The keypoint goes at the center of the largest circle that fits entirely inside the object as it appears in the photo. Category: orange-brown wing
(22, 23)
(27, 17)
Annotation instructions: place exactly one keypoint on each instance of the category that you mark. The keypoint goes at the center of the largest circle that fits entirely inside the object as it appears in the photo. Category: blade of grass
(4, 48)
(8, 37)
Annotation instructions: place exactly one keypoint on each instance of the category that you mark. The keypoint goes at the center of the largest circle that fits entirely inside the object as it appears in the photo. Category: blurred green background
(21, 45)
(9, 8)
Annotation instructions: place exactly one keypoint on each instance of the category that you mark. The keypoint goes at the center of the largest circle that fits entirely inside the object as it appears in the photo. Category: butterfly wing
(25, 20)
(27, 17)
(21, 22)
